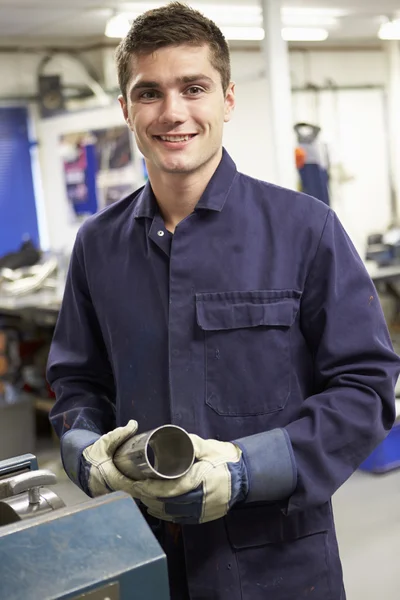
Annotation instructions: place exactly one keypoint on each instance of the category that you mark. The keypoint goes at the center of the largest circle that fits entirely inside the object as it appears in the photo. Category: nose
(173, 109)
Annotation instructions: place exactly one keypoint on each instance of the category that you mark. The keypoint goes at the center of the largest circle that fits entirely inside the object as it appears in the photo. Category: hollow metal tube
(163, 453)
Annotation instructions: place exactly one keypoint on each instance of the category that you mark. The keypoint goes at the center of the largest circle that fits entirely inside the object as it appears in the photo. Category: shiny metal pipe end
(163, 453)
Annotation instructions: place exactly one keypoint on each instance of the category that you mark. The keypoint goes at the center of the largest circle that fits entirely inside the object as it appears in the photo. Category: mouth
(175, 139)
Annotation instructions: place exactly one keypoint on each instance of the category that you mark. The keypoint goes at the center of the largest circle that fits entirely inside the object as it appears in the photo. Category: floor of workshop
(367, 510)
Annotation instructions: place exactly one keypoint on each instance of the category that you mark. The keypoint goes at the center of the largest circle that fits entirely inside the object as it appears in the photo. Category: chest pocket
(247, 349)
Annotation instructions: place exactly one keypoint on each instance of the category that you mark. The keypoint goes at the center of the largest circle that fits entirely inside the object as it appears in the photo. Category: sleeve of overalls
(355, 373)
(79, 371)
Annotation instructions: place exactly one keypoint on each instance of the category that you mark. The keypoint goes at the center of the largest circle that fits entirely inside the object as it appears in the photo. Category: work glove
(98, 474)
(215, 482)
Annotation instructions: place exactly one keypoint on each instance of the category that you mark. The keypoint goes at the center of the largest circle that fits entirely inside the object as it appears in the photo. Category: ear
(229, 102)
(124, 108)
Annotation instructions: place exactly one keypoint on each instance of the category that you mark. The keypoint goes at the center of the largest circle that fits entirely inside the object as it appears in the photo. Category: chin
(176, 167)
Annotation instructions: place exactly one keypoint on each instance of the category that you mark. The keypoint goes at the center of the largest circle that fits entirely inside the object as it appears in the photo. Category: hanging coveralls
(257, 315)
(313, 165)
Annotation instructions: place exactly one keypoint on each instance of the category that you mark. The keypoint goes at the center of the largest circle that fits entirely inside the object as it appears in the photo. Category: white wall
(354, 130)
(363, 204)
(247, 137)
(353, 127)
(341, 67)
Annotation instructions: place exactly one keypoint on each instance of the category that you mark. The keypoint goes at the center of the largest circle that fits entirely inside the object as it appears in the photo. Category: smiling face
(176, 108)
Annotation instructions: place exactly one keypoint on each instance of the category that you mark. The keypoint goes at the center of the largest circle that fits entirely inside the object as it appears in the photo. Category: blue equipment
(102, 549)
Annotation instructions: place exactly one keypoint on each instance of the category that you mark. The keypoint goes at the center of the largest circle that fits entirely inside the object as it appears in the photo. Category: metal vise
(102, 549)
(22, 492)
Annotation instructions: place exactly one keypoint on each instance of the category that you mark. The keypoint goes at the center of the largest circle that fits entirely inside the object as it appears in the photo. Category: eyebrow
(140, 85)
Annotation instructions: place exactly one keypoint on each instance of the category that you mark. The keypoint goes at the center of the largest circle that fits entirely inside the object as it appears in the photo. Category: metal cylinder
(163, 453)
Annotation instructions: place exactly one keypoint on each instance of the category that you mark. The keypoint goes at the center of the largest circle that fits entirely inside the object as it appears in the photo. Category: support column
(276, 58)
(393, 62)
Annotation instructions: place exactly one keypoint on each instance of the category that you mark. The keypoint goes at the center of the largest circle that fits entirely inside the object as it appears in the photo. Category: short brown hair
(172, 25)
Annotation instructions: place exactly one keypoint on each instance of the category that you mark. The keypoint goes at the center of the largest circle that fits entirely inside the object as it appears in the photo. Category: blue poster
(98, 167)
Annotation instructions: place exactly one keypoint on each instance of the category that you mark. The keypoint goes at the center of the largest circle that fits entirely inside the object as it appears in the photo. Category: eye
(194, 90)
(149, 95)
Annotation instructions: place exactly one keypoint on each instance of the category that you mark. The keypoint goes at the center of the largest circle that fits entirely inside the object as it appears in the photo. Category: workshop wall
(340, 67)
(62, 222)
(343, 67)
(19, 71)
(356, 140)
(350, 107)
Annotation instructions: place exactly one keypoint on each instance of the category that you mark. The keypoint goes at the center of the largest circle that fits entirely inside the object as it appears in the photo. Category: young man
(235, 309)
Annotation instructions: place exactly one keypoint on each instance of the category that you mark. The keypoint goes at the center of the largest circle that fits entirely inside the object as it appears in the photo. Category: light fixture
(309, 21)
(243, 33)
(390, 30)
(328, 13)
(117, 26)
(242, 22)
(304, 34)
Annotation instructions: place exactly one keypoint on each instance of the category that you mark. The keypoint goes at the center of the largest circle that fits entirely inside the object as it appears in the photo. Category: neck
(178, 193)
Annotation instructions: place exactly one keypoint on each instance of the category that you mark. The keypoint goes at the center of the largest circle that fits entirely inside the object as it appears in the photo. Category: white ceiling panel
(54, 4)
(359, 6)
(32, 20)
(71, 23)
(86, 19)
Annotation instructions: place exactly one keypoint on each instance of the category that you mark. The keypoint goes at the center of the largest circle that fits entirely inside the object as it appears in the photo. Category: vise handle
(31, 482)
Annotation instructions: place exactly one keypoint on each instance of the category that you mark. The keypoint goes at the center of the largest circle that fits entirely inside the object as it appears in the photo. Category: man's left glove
(217, 480)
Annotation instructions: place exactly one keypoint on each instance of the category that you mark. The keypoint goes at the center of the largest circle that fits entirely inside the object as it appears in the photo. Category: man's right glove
(97, 474)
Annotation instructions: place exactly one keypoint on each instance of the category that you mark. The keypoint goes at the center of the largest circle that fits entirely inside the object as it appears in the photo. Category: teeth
(175, 138)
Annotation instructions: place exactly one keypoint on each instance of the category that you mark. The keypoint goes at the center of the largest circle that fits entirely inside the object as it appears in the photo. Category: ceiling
(42, 22)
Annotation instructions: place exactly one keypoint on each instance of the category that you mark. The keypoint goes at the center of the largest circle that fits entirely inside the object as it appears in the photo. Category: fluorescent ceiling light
(290, 34)
(213, 9)
(223, 14)
(333, 13)
(222, 10)
(118, 26)
(390, 30)
(309, 21)
(226, 15)
(140, 7)
(243, 33)
(241, 22)
(304, 34)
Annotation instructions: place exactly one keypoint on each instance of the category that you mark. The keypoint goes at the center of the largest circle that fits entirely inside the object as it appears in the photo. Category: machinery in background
(382, 258)
(384, 248)
(28, 271)
(102, 549)
(17, 419)
(31, 288)
(26, 256)
(383, 264)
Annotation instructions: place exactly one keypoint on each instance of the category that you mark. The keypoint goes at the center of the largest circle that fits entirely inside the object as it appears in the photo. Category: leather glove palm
(99, 475)
(216, 482)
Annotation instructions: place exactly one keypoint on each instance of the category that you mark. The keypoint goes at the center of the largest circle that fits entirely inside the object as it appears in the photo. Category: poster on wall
(99, 168)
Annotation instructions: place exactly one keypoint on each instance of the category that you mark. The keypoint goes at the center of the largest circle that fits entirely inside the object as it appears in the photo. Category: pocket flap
(235, 310)
(260, 525)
